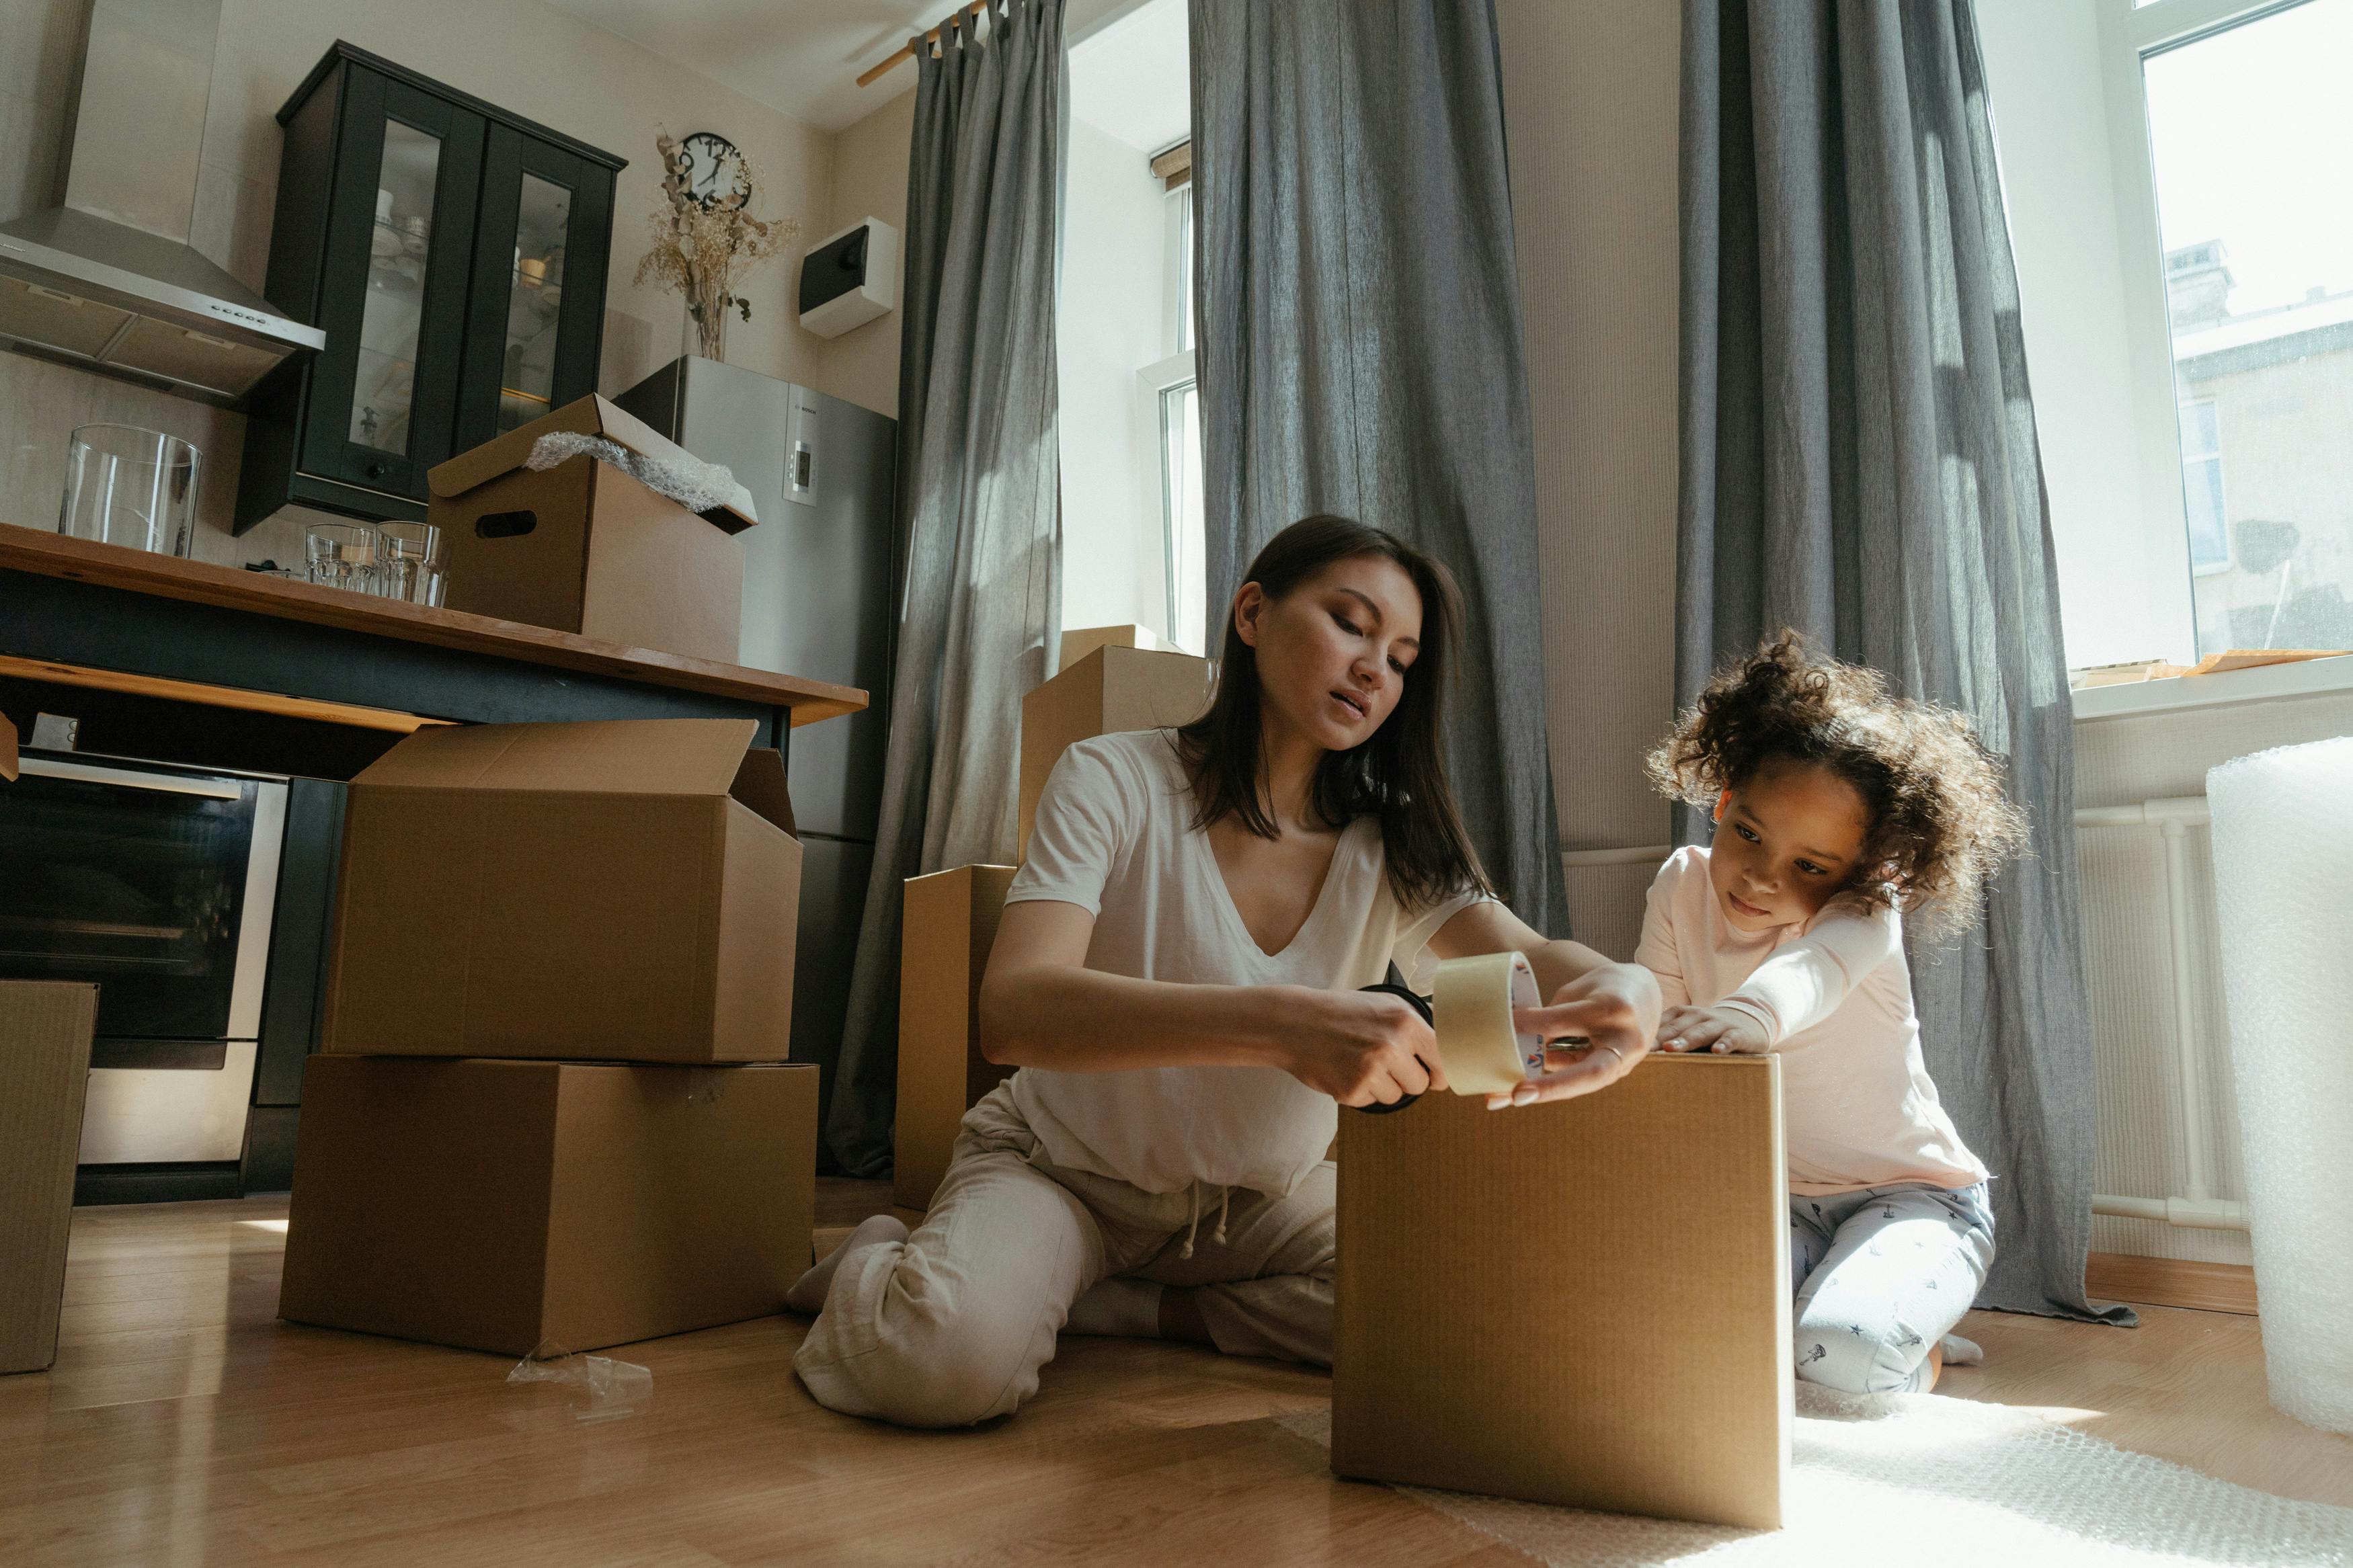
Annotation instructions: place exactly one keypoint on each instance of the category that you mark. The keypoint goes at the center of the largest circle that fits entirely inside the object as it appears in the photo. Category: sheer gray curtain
(1858, 461)
(1360, 350)
(979, 504)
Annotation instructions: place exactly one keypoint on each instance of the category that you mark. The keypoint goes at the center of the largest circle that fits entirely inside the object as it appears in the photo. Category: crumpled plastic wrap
(692, 483)
(2284, 889)
(601, 1388)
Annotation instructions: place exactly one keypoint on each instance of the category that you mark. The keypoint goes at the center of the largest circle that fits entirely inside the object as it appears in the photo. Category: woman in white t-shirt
(1178, 977)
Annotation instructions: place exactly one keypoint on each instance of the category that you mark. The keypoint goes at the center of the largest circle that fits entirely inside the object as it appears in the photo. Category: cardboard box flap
(590, 416)
(611, 756)
(760, 785)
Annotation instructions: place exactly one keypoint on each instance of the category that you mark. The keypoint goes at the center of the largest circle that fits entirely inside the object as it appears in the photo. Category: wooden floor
(183, 1424)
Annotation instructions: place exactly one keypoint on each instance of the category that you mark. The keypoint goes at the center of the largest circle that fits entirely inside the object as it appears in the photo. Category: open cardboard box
(1584, 1302)
(632, 1201)
(45, 1034)
(625, 891)
(583, 547)
(1110, 689)
(948, 927)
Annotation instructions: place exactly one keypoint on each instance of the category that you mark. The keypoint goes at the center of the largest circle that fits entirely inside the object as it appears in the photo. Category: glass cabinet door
(532, 342)
(398, 245)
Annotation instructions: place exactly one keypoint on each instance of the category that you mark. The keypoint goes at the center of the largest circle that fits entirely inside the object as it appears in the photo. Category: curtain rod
(907, 50)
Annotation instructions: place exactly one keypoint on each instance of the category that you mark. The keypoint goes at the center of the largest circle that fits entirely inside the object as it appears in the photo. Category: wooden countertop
(164, 576)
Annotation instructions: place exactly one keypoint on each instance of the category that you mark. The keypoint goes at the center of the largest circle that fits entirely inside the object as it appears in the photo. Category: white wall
(522, 54)
(870, 179)
(2115, 507)
(1108, 326)
(1590, 92)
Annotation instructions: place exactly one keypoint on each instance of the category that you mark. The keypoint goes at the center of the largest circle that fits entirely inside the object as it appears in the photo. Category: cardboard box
(1077, 644)
(45, 1030)
(8, 750)
(948, 927)
(1584, 1302)
(631, 1202)
(583, 547)
(624, 890)
(1110, 689)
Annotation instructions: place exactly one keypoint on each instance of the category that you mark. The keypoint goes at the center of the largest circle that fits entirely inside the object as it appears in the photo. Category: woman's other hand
(1726, 1031)
(1614, 1007)
(1364, 1047)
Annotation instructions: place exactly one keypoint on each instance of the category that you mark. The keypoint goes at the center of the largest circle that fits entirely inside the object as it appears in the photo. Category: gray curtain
(979, 505)
(1858, 461)
(1360, 350)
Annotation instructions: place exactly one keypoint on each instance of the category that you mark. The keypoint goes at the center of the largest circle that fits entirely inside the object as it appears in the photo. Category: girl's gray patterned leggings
(1880, 1276)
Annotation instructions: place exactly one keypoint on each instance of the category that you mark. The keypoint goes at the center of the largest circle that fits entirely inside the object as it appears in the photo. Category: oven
(158, 883)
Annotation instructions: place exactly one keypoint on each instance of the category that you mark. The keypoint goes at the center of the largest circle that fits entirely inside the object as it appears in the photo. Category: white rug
(1925, 1480)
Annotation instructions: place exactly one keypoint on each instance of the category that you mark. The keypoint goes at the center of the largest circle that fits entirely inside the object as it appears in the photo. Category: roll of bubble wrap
(2284, 890)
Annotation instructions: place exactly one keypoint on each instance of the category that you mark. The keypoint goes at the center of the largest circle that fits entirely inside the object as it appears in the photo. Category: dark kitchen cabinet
(455, 256)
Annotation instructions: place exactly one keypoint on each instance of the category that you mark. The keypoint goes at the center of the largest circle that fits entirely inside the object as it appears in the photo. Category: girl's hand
(1364, 1047)
(1726, 1031)
(1614, 1007)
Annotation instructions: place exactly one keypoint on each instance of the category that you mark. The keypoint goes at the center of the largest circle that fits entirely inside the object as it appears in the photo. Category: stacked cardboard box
(583, 547)
(1117, 681)
(559, 949)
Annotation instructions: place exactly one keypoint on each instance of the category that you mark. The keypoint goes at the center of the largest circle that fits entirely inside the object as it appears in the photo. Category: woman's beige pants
(951, 1326)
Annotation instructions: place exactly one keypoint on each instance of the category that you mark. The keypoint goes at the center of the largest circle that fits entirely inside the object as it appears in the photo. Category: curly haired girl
(1840, 811)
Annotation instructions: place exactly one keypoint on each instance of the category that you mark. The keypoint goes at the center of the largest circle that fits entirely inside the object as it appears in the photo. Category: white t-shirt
(1834, 997)
(1114, 834)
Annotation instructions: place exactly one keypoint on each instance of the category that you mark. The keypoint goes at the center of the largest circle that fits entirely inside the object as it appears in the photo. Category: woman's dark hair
(1398, 773)
(1939, 823)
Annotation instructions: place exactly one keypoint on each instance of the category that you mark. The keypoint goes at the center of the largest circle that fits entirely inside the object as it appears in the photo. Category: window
(1174, 399)
(2250, 143)
(2202, 489)
(2175, 173)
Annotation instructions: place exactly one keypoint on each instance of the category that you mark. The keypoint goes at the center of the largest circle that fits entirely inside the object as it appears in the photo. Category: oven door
(158, 884)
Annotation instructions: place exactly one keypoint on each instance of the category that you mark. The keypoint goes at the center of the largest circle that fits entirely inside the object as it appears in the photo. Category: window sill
(2265, 683)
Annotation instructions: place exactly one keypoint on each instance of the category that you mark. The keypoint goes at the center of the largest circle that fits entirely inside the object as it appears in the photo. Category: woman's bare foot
(807, 1294)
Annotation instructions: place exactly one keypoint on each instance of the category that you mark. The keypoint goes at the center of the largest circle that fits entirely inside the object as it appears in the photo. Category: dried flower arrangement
(704, 245)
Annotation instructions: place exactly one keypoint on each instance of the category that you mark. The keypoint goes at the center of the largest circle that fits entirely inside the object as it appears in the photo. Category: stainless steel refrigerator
(819, 601)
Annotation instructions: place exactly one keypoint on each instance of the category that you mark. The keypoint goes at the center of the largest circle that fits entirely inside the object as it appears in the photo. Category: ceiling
(1130, 78)
(804, 56)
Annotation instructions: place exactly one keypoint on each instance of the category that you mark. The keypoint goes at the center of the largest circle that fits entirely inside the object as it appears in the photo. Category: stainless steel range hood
(108, 281)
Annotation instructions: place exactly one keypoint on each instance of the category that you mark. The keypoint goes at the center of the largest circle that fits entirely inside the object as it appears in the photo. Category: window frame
(1156, 382)
(2130, 35)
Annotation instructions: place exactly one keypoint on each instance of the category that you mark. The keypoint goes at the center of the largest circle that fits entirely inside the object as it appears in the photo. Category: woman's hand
(1726, 1031)
(1363, 1048)
(1615, 1008)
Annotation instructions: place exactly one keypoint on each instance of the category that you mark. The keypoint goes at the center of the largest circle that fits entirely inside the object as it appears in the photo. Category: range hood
(107, 281)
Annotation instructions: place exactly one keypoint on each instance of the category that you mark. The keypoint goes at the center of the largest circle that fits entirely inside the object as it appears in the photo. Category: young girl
(1836, 807)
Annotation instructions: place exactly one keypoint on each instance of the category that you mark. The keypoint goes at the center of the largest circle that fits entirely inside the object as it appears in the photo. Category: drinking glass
(343, 556)
(131, 486)
(411, 568)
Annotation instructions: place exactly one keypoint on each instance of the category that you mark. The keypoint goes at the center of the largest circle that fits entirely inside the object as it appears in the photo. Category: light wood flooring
(183, 1424)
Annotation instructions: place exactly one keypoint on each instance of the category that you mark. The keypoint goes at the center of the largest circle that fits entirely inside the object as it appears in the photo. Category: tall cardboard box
(45, 1030)
(624, 890)
(492, 1204)
(1584, 1302)
(948, 927)
(583, 547)
(1110, 689)
(7, 749)
(1078, 644)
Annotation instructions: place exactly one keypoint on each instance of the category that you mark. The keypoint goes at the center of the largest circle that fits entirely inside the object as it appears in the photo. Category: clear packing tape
(2283, 827)
(1471, 1000)
(601, 1388)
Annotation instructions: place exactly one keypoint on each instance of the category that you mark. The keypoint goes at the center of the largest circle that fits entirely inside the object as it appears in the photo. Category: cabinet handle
(378, 470)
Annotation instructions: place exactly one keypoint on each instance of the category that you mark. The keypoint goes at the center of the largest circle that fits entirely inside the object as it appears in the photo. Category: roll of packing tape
(1473, 1004)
